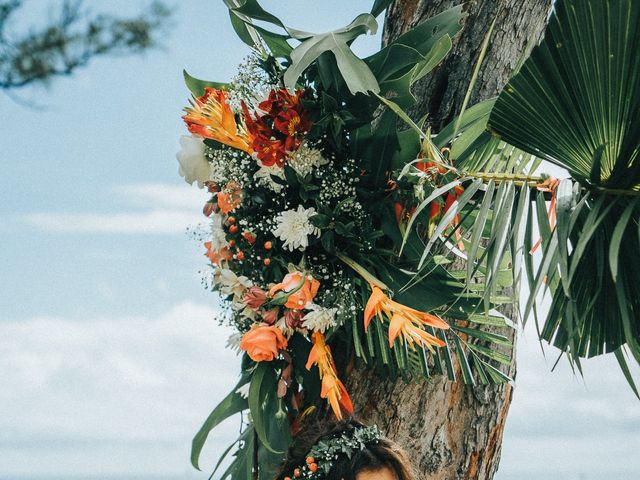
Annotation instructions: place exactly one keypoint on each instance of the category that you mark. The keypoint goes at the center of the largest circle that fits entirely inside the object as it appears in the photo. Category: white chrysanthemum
(305, 159)
(319, 318)
(218, 236)
(232, 284)
(263, 176)
(294, 228)
(194, 166)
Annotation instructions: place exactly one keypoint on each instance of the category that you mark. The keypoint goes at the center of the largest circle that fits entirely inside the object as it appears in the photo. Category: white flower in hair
(319, 318)
(194, 166)
(294, 228)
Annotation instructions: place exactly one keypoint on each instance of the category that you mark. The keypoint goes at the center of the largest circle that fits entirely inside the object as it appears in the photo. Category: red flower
(280, 129)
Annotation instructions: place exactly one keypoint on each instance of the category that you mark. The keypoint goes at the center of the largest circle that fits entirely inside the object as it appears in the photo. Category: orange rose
(304, 292)
(263, 342)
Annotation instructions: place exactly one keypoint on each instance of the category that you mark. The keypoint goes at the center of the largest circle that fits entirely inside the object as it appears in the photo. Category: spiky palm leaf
(576, 103)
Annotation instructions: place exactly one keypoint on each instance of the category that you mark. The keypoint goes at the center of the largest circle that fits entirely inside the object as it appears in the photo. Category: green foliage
(576, 102)
(357, 76)
(579, 93)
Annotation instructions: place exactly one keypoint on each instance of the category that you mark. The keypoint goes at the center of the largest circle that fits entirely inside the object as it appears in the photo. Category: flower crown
(319, 461)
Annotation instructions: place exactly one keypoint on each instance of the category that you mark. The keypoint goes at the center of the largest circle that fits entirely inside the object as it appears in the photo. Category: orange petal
(335, 404)
(345, 400)
(395, 327)
(434, 321)
(377, 296)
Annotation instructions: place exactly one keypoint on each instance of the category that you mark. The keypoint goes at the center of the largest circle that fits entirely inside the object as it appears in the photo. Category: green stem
(363, 272)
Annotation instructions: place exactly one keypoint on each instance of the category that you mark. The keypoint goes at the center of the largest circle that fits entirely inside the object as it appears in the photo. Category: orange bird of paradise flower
(210, 116)
(332, 388)
(405, 322)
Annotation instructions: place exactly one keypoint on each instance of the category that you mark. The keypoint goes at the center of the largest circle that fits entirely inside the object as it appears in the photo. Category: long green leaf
(232, 404)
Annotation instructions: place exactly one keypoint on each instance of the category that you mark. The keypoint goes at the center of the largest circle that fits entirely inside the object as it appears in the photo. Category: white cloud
(564, 426)
(161, 210)
(112, 395)
(157, 222)
(125, 395)
(164, 195)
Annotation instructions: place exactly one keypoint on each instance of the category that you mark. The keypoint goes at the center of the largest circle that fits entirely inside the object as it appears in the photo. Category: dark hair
(375, 456)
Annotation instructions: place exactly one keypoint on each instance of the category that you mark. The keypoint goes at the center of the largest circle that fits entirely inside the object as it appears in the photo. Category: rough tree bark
(452, 431)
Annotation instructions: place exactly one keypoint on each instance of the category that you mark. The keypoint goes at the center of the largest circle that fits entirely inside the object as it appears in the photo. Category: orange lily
(332, 388)
(210, 116)
(405, 321)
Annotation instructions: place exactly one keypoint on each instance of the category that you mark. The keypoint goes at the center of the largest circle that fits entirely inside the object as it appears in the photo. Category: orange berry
(248, 236)
(239, 255)
(268, 245)
(232, 243)
(233, 229)
(267, 261)
(310, 460)
(313, 467)
(231, 220)
(297, 473)
(287, 478)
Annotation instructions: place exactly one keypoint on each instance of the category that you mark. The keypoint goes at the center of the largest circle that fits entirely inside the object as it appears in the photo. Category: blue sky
(110, 352)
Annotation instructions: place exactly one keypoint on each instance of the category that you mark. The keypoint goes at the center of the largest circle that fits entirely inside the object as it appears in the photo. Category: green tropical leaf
(261, 392)
(232, 404)
(354, 70)
(577, 98)
(197, 86)
(399, 55)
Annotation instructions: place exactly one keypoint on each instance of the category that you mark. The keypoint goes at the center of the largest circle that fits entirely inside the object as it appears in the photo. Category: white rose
(194, 167)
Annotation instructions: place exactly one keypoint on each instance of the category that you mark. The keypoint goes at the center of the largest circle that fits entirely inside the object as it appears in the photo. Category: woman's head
(375, 458)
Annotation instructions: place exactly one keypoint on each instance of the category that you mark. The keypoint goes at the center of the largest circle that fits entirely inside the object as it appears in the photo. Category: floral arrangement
(317, 217)
(342, 232)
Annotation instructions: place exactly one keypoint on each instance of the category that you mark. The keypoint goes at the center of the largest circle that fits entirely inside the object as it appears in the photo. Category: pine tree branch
(71, 41)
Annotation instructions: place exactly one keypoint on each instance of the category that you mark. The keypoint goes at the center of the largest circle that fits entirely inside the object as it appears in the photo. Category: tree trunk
(453, 431)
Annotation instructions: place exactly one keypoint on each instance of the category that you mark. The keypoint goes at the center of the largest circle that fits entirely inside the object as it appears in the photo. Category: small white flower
(232, 284)
(218, 236)
(263, 176)
(305, 159)
(319, 318)
(293, 228)
(194, 166)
